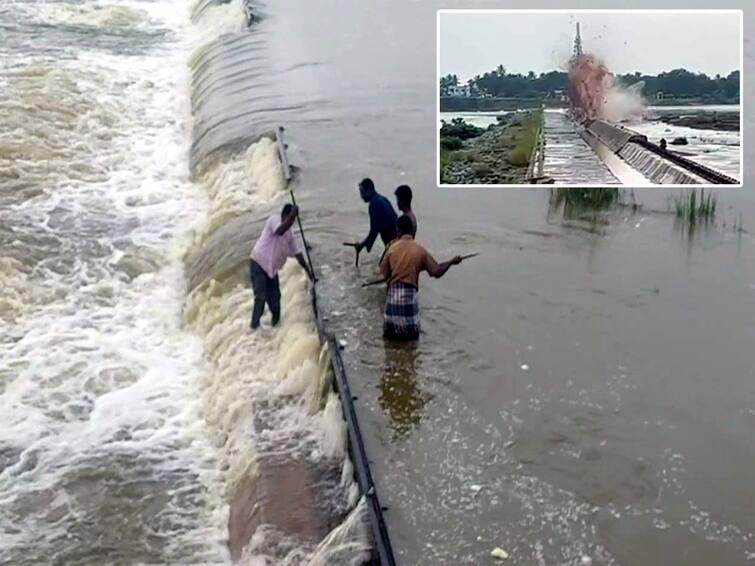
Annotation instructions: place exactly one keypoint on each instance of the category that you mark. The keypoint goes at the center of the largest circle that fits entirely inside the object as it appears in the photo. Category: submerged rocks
(722, 121)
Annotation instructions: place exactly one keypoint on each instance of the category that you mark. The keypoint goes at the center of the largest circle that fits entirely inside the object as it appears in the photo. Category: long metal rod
(287, 175)
(379, 281)
(362, 467)
(382, 551)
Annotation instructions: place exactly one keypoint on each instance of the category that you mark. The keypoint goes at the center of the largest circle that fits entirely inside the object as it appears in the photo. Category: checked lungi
(401, 320)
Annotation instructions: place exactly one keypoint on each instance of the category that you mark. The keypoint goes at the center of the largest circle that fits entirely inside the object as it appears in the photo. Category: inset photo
(589, 98)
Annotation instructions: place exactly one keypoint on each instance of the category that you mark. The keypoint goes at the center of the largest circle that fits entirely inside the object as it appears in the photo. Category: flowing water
(720, 150)
(583, 388)
(101, 450)
(479, 119)
(136, 405)
(569, 159)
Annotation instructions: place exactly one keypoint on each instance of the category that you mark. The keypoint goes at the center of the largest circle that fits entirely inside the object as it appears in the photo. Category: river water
(101, 453)
(570, 161)
(132, 414)
(583, 388)
(717, 149)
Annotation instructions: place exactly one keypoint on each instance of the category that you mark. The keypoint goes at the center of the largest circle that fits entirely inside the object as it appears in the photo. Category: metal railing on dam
(382, 550)
(602, 153)
(235, 102)
(659, 165)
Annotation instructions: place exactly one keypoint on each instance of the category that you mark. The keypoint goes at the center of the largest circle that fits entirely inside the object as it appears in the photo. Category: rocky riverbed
(702, 120)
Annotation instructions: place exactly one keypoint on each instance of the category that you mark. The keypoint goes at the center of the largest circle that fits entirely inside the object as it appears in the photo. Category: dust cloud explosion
(596, 94)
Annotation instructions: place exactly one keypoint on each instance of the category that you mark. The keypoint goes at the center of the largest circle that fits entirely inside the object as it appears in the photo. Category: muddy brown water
(582, 388)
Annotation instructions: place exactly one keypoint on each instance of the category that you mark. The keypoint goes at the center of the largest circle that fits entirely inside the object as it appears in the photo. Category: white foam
(94, 364)
(218, 20)
(106, 16)
(268, 390)
(251, 181)
(222, 19)
(346, 544)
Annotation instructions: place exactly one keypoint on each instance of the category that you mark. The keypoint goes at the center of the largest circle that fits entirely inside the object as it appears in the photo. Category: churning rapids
(140, 417)
(583, 388)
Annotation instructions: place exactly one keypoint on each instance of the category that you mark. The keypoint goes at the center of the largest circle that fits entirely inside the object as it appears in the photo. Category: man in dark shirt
(404, 202)
(382, 216)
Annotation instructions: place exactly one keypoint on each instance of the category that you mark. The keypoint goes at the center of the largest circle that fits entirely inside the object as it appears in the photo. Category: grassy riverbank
(498, 155)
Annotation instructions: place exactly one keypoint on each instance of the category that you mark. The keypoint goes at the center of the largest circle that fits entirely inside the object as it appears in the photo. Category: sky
(648, 42)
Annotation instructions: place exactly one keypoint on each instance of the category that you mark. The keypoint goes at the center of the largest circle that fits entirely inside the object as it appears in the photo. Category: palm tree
(447, 82)
(472, 86)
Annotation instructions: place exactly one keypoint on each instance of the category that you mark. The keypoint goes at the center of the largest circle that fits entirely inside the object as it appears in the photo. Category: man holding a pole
(401, 265)
(276, 244)
(382, 217)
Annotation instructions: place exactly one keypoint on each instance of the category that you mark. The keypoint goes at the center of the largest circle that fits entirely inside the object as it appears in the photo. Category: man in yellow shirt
(401, 265)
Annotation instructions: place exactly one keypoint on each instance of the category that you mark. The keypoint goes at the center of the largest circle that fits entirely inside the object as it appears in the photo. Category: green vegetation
(460, 129)
(692, 208)
(448, 158)
(499, 83)
(525, 140)
(587, 206)
(586, 199)
(498, 155)
(451, 143)
(681, 83)
(678, 84)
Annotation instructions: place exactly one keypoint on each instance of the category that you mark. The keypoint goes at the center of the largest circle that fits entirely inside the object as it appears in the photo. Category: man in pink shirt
(276, 244)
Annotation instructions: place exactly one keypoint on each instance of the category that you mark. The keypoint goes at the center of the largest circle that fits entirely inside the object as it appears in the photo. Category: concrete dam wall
(298, 487)
(657, 164)
(600, 153)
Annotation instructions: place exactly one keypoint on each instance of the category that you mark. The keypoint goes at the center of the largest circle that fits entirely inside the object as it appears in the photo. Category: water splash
(267, 396)
(595, 92)
(108, 16)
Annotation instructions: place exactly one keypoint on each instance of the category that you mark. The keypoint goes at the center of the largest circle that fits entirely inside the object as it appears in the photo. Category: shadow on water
(400, 396)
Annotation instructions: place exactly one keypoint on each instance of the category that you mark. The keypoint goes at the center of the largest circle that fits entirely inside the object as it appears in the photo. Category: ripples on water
(125, 436)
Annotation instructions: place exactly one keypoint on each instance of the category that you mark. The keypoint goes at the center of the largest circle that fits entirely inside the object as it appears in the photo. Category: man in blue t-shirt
(382, 216)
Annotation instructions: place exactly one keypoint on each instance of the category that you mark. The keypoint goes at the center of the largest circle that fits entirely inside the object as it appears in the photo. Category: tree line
(678, 83)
